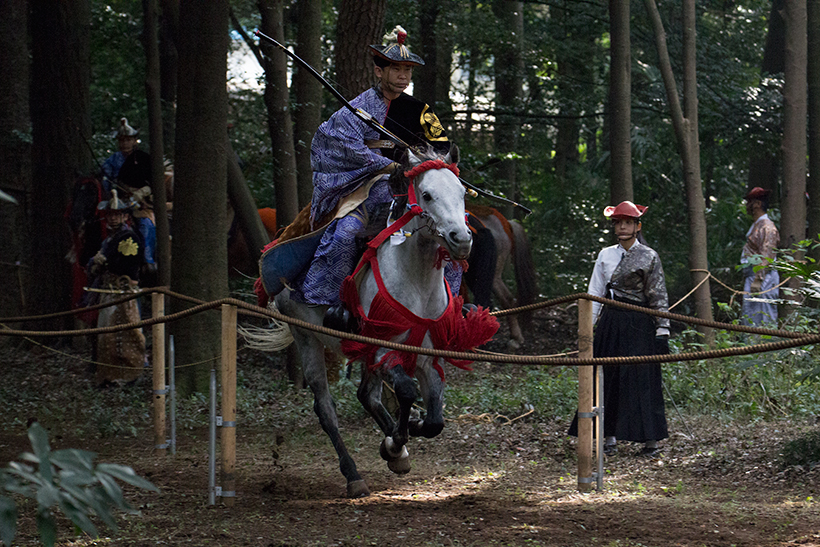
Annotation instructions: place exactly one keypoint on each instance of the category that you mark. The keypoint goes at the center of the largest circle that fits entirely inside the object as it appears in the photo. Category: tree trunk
(15, 156)
(620, 110)
(199, 260)
(245, 208)
(359, 25)
(566, 140)
(813, 67)
(685, 124)
(308, 92)
(60, 122)
(793, 203)
(153, 96)
(280, 125)
(169, 66)
(763, 161)
(509, 71)
(426, 45)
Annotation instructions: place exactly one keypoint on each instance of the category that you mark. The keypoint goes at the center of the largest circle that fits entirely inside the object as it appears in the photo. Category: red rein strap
(430, 164)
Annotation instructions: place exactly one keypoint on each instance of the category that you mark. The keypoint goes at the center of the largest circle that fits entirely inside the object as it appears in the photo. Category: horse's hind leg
(313, 364)
(507, 301)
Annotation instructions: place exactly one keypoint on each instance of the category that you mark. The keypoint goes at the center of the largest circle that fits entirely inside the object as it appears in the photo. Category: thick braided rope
(797, 339)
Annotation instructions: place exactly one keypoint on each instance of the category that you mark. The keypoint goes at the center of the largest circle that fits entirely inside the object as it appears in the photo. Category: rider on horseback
(351, 166)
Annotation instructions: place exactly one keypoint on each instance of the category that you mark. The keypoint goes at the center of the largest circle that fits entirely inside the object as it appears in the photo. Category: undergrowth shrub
(804, 450)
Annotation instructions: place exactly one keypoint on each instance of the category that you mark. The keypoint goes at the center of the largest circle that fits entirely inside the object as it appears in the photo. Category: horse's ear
(452, 156)
(412, 159)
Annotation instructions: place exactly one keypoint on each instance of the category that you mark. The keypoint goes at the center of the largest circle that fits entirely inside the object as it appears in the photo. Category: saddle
(289, 255)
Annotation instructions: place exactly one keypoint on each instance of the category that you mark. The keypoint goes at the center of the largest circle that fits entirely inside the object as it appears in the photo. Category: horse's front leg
(393, 448)
(432, 389)
(370, 396)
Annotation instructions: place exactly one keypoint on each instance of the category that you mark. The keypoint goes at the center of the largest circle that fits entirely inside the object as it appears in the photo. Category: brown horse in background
(240, 259)
(511, 247)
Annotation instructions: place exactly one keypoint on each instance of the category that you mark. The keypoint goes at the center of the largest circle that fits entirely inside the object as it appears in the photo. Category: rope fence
(231, 307)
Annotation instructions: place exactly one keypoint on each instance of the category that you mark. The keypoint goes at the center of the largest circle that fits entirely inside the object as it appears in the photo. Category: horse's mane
(400, 183)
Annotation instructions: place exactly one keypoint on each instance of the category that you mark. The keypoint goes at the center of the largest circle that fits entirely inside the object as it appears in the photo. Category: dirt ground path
(480, 483)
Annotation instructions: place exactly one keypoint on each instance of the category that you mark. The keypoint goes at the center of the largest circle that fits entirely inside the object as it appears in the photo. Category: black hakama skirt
(633, 394)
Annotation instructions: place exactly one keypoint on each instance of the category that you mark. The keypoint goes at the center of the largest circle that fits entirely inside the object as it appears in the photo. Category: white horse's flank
(410, 276)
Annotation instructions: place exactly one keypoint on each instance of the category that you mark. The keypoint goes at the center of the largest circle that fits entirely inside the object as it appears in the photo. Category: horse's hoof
(357, 489)
(513, 344)
(399, 466)
(389, 451)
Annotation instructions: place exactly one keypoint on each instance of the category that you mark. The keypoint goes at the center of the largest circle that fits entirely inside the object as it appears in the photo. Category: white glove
(142, 193)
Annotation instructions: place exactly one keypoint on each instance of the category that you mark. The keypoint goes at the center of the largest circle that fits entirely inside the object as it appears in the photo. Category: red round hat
(758, 193)
(625, 209)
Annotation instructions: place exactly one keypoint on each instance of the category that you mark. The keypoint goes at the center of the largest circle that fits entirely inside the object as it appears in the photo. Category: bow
(369, 120)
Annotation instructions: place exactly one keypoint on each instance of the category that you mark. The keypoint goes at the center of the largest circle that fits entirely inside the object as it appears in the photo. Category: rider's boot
(339, 318)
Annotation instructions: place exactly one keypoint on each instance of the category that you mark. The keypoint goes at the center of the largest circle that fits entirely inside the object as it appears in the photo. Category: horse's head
(440, 196)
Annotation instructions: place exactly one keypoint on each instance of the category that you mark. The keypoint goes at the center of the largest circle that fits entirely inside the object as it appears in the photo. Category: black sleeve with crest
(415, 123)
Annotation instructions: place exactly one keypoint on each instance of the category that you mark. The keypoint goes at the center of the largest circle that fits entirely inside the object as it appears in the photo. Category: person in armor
(129, 170)
(115, 269)
(630, 272)
(351, 164)
(761, 287)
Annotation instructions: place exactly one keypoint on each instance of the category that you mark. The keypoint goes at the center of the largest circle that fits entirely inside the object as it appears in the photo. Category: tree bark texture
(15, 156)
(763, 161)
(169, 65)
(280, 123)
(620, 110)
(199, 259)
(793, 202)
(154, 100)
(685, 125)
(509, 72)
(813, 69)
(307, 114)
(60, 124)
(359, 25)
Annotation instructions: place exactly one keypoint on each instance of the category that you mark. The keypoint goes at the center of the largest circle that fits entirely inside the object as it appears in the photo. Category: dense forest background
(523, 88)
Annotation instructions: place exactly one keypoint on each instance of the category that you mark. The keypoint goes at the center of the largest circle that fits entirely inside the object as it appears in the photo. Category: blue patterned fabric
(339, 157)
(337, 254)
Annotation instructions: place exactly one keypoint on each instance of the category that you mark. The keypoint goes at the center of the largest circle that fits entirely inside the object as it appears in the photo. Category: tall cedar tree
(620, 111)
(199, 257)
(685, 125)
(509, 77)
(359, 25)
(60, 80)
(15, 156)
(280, 125)
(307, 114)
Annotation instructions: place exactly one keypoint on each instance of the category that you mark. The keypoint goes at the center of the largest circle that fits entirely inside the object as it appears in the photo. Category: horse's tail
(275, 337)
(525, 277)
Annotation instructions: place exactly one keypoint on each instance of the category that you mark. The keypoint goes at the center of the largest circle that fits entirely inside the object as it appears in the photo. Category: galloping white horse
(399, 293)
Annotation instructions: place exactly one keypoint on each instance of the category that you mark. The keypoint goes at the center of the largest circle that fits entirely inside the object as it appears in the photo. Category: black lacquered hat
(394, 49)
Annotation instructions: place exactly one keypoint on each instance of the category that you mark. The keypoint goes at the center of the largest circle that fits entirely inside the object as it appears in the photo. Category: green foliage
(751, 387)
(804, 450)
(66, 481)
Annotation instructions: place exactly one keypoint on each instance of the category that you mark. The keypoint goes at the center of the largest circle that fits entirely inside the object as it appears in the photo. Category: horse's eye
(426, 196)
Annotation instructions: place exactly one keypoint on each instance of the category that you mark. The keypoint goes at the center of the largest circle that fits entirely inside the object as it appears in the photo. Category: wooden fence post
(585, 381)
(228, 430)
(158, 369)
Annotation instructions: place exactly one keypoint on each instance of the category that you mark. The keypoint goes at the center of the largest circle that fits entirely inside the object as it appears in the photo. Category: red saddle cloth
(388, 318)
